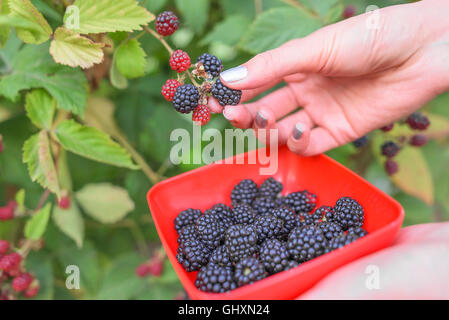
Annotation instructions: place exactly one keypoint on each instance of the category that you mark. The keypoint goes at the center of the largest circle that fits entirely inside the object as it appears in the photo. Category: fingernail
(234, 74)
(297, 131)
(227, 113)
(261, 121)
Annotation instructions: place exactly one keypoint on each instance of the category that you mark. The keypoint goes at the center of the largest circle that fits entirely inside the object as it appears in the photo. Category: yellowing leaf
(71, 49)
(97, 16)
(70, 222)
(40, 108)
(130, 59)
(414, 176)
(105, 202)
(41, 29)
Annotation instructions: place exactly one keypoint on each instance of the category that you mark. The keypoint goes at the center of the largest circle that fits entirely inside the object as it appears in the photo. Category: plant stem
(258, 5)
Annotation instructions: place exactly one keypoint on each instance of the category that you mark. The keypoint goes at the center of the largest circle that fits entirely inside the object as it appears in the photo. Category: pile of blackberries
(262, 233)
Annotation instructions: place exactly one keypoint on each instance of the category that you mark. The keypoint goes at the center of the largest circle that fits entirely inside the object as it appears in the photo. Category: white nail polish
(227, 114)
(234, 74)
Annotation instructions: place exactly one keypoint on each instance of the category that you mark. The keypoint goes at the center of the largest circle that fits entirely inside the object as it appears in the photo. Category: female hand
(348, 78)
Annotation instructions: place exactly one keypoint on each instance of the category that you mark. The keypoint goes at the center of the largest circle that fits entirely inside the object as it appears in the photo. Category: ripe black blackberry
(306, 243)
(268, 226)
(248, 270)
(241, 241)
(186, 98)
(391, 167)
(361, 142)
(186, 217)
(340, 242)
(187, 232)
(262, 205)
(301, 201)
(357, 231)
(418, 121)
(347, 213)
(192, 254)
(225, 96)
(270, 188)
(274, 255)
(390, 149)
(243, 214)
(223, 214)
(330, 229)
(291, 264)
(288, 217)
(220, 257)
(318, 215)
(210, 231)
(212, 65)
(244, 192)
(215, 279)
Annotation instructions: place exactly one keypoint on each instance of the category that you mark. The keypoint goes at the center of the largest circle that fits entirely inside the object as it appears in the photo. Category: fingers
(319, 141)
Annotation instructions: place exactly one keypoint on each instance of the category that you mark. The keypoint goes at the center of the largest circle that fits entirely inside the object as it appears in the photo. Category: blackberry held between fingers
(249, 270)
(390, 149)
(348, 213)
(244, 192)
(243, 214)
(301, 201)
(212, 65)
(274, 255)
(220, 257)
(268, 226)
(263, 205)
(186, 98)
(306, 243)
(192, 254)
(210, 230)
(340, 242)
(418, 121)
(225, 96)
(215, 279)
(330, 229)
(166, 23)
(270, 188)
(241, 241)
(186, 217)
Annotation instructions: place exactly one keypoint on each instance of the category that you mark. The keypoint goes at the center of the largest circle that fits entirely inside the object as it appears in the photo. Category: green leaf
(36, 226)
(72, 49)
(37, 155)
(322, 7)
(5, 29)
(195, 13)
(93, 144)
(118, 80)
(97, 16)
(40, 262)
(40, 108)
(130, 59)
(414, 176)
(277, 26)
(105, 202)
(228, 31)
(154, 5)
(25, 9)
(33, 67)
(20, 199)
(70, 222)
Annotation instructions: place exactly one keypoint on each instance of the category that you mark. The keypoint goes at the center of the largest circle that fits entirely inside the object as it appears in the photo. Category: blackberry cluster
(212, 65)
(261, 233)
(186, 98)
(225, 96)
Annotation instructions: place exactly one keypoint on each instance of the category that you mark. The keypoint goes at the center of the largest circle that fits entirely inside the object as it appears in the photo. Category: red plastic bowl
(203, 187)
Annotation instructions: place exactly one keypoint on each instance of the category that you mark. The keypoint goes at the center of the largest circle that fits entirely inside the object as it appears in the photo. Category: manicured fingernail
(227, 113)
(234, 74)
(261, 121)
(297, 131)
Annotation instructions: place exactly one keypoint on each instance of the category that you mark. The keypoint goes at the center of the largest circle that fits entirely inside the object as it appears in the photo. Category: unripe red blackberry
(388, 127)
(64, 202)
(169, 89)
(143, 270)
(156, 265)
(348, 12)
(180, 61)
(22, 282)
(201, 115)
(7, 213)
(10, 262)
(32, 291)
(390, 149)
(418, 121)
(418, 140)
(166, 23)
(391, 167)
(4, 246)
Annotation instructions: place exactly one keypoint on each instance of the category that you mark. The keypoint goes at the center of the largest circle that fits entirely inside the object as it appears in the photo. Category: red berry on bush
(180, 61)
(201, 114)
(143, 270)
(156, 266)
(166, 23)
(10, 262)
(32, 291)
(169, 89)
(4, 246)
(418, 140)
(7, 213)
(64, 202)
(391, 167)
(22, 282)
(418, 121)
(348, 12)
(387, 128)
